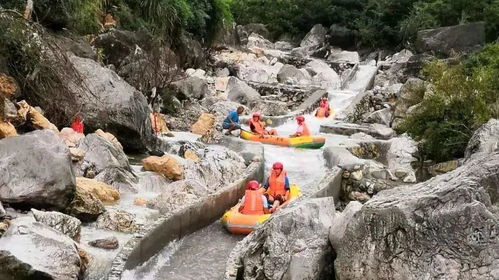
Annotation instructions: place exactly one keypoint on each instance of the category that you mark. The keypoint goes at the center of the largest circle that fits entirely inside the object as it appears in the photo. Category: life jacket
(258, 126)
(253, 204)
(303, 130)
(77, 126)
(321, 112)
(277, 184)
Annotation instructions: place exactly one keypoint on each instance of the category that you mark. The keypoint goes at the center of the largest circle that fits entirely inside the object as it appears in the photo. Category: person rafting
(77, 124)
(253, 201)
(277, 186)
(324, 109)
(258, 127)
(302, 129)
(231, 122)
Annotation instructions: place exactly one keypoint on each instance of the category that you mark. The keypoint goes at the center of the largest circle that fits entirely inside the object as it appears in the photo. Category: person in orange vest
(258, 127)
(77, 124)
(277, 186)
(324, 108)
(253, 202)
(302, 129)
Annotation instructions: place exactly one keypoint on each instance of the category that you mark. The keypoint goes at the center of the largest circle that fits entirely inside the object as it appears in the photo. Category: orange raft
(238, 223)
(304, 142)
(321, 113)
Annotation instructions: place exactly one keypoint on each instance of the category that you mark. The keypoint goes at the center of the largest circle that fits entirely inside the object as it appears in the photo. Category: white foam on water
(150, 269)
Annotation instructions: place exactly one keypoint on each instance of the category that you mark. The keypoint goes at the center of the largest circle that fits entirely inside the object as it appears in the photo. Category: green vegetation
(463, 97)
(375, 22)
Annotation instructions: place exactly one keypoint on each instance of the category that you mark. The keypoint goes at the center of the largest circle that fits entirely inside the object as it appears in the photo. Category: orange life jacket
(321, 112)
(277, 184)
(253, 204)
(258, 126)
(304, 130)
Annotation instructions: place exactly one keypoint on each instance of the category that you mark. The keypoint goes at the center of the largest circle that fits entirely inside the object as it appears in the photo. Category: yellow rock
(8, 86)
(101, 190)
(35, 118)
(76, 154)
(7, 130)
(109, 21)
(139, 201)
(158, 122)
(204, 124)
(70, 137)
(111, 138)
(190, 154)
(165, 165)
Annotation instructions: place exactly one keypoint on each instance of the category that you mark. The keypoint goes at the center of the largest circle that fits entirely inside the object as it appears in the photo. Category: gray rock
(484, 140)
(289, 74)
(344, 57)
(63, 223)
(9, 110)
(340, 223)
(271, 108)
(256, 28)
(451, 39)
(109, 243)
(283, 46)
(292, 244)
(316, 36)
(2, 211)
(249, 151)
(190, 52)
(339, 156)
(191, 88)
(121, 179)
(32, 250)
(85, 206)
(36, 171)
(383, 116)
(442, 228)
(118, 44)
(323, 75)
(179, 194)
(239, 91)
(117, 220)
(257, 41)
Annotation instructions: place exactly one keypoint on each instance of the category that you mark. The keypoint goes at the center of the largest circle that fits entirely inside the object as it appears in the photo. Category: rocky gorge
(153, 159)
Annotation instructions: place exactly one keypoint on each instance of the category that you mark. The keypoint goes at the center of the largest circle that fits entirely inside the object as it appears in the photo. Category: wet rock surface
(63, 223)
(484, 140)
(36, 170)
(109, 243)
(32, 250)
(117, 220)
(412, 243)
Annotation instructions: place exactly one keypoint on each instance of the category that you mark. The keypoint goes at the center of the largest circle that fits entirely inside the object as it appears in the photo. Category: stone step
(343, 128)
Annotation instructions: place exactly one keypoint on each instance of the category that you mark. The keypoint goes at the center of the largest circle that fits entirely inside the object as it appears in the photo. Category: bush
(463, 97)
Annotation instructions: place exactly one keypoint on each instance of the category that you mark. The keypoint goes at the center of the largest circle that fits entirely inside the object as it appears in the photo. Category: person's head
(324, 99)
(240, 110)
(252, 185)
(277, 168)
(300, 119)
(77, 119)
(256, 116)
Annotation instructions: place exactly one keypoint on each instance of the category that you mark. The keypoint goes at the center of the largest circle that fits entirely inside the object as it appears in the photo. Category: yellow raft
(304, 142)
(238, 223)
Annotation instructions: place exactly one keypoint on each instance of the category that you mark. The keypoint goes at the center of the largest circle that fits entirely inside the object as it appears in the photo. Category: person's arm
(266, 185)
(265, 205)
(287, 188)
(242, 204)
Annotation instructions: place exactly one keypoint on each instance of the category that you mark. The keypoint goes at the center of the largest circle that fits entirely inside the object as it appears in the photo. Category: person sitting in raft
(277, 186)
(258, 127)
(231, 122)
(77, 124)
(324, 109)
(253, 201)
(302, 129)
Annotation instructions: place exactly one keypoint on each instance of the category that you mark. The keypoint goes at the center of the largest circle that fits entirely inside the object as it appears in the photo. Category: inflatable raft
(304, 142)
(238, 223)
(321, 113)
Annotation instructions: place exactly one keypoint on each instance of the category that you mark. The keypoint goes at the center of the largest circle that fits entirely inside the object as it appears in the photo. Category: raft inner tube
(304, 142)
(238, 223)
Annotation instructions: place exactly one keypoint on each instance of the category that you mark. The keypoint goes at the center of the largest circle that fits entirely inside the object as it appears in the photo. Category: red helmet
(256, 115)
(300, 118)
(252, 185)
(277, 165)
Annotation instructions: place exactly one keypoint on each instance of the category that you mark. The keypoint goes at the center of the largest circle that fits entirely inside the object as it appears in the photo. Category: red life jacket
(253, 204)
(257, 126)
(277, 184)
(77, 126)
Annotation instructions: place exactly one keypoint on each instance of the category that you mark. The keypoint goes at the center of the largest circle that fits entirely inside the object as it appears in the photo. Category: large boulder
(239, 91)
(316, 36)
(484, 140)
(178, 194)
(289, 74)
(117, 220)
(166, 165)
(85, 206)
(323, 75)
(257, 41)
(102, 191)
(32, 250)
(7, 129)
(191, 87)
(36, 171)
(271, 108)
(442, 228)
(451, 39)
(63, 223)
(339, 56)
(292, 244)
(383, 116)
(204, 124)
(244, 31)
(400, 156)
(410, 94)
